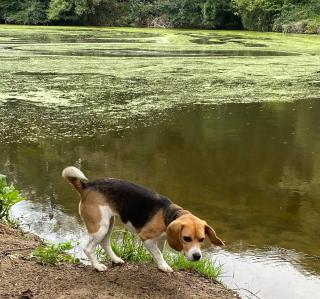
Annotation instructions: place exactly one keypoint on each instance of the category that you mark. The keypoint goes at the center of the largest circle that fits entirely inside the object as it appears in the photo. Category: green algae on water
(119, 77)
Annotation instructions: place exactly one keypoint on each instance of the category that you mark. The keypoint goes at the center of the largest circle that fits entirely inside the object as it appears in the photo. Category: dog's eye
(201, 240)
(187, 239)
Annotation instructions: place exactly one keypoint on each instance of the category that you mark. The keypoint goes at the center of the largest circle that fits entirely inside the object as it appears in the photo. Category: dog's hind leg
(98, 236)
(105, 243)
(90, 249)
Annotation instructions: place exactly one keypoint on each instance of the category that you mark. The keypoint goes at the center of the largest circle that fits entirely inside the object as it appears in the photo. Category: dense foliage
(280, 15)
(263, 15)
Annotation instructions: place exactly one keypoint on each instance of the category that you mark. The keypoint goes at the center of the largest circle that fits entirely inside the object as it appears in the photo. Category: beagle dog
(152, 216)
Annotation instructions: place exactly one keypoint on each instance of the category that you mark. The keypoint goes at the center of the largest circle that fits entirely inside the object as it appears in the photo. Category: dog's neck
(172, 213)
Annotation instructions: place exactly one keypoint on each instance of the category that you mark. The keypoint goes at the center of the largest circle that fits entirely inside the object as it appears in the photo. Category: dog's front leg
(152, 246)
(161, 242)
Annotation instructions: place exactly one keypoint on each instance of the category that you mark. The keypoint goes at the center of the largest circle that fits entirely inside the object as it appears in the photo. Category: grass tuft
(129, 247)
(55, 254)
(204, 267)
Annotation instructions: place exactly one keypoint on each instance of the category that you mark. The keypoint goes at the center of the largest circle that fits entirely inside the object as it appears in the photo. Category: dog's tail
(75, 177)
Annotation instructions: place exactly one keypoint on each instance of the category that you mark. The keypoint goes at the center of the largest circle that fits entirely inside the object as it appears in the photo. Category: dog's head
(187, 233)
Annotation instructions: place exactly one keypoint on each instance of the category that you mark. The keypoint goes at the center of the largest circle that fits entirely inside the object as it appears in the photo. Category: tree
(258, 14)
(24, 12)
(182, 13)
(67, 11)
(219, 14)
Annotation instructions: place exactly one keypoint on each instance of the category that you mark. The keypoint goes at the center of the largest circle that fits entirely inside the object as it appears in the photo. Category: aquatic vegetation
(110, 79)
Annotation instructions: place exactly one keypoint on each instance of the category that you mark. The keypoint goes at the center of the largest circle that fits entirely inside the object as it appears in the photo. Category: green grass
(127, 246)
(9, 196)
(204, 267)
(55, 254)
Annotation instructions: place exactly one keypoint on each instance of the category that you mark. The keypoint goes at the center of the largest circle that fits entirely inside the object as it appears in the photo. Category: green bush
(261, 15)
(298, 17)
(258, 14)
(199, 14)
(313, 26)
(55, 254)
(9, 196)
(24, 12)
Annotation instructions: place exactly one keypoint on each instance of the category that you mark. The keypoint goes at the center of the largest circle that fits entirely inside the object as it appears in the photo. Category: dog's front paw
(165, 268)
(100, 267)
(118, 260)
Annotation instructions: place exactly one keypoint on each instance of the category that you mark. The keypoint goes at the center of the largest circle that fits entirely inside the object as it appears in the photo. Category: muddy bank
(22, 277)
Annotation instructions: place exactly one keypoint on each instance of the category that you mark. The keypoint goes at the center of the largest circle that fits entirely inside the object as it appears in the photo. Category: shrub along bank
(291, 16)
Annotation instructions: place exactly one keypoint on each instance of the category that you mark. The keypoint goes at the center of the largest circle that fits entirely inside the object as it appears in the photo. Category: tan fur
(174, 234)
(154, 228)
(213, 236)
(76, 183)
(89, 209)
(191, 226)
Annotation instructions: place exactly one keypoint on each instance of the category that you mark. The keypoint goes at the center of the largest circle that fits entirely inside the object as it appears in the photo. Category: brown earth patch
(22, 277)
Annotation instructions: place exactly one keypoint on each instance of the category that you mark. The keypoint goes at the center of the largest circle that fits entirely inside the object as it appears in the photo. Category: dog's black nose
(196, 256)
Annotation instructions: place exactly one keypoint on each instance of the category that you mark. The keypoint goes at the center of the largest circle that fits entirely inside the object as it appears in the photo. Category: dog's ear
(174, 235)
(212, 235)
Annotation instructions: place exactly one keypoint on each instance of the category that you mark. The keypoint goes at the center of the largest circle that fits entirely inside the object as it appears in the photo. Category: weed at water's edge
(55, 254)
(205, 266)
(9, 196)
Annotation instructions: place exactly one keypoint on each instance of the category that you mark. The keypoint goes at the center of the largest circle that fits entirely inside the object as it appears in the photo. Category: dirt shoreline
(22, 277)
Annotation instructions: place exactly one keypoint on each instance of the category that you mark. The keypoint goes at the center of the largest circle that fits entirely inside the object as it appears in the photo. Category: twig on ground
(17, 249)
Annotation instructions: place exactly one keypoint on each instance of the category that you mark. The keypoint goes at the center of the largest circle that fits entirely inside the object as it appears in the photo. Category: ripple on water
(268, 273)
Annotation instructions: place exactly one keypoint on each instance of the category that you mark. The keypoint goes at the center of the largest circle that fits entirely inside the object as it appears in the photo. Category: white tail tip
(73, 172)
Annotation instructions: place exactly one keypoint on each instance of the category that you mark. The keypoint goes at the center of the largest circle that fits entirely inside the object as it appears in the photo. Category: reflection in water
(250, 170)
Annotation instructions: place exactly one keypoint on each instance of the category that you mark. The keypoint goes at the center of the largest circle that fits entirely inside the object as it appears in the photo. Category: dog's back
(134, 203)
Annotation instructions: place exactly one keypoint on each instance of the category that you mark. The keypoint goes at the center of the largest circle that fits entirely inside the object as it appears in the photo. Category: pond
(225, 123)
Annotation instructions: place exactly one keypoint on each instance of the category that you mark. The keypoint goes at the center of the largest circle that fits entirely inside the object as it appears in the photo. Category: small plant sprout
(9, 196)
(55, 254)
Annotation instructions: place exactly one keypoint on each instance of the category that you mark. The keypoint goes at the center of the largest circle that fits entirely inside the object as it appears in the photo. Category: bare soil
(23, 277)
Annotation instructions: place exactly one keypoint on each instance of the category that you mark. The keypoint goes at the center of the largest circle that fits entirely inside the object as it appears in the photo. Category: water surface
(233, 138)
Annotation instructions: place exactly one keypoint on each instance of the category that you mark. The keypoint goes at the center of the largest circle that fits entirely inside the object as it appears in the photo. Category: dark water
(251, 170)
